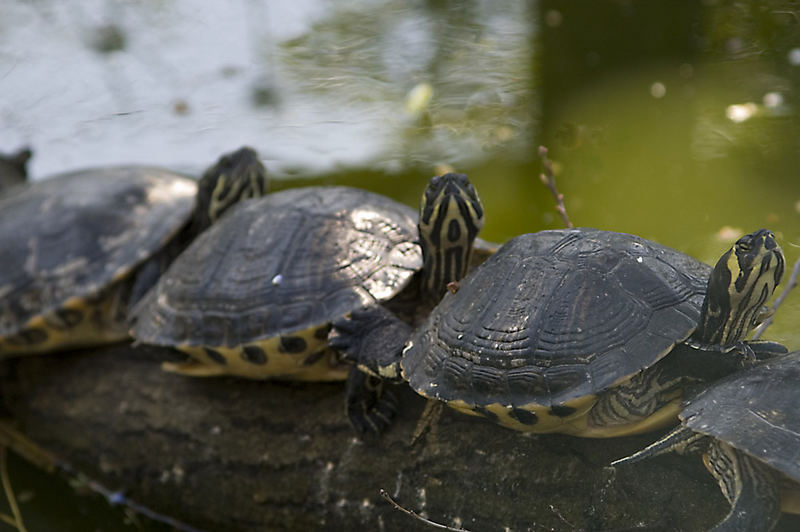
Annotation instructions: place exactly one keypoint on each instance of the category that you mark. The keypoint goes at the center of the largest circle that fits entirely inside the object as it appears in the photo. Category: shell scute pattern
(568, 315)
(74, 235)
(756, 412)
(276, 271)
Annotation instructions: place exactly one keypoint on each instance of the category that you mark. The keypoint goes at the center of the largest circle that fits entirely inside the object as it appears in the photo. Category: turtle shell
(552, 319)
(254, 295)
(755, 411)
(64, 241)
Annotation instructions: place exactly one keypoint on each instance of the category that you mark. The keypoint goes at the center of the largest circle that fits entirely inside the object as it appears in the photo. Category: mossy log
(231, 454)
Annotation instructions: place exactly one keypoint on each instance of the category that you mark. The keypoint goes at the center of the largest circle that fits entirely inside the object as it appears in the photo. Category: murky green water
(675, 122)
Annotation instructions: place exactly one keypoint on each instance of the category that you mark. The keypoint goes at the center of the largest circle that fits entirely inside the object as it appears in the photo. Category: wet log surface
(231, 454)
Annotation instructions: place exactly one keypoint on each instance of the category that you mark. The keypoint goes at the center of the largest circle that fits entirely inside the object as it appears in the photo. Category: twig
(549, 179)
(12, 500)
(415, 515)
(791, 283)
(428, 420)
(24, 447)
(27, 449)
(7, 519)
(563, 519)
(117, 498)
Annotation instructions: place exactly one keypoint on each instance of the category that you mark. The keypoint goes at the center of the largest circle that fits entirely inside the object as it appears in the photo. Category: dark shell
(555, 316)
(286, 262)
(74, 234)
(756, 411)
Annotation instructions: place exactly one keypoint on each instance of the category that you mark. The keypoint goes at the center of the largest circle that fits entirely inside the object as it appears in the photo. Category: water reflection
(677, 121)
(679, 125)
(313, 85)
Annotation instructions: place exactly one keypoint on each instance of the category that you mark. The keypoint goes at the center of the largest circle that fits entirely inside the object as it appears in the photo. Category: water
(677, 123)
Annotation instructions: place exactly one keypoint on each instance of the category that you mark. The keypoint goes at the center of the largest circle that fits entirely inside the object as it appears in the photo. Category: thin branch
(415, 515)
(549, 179)
(7, 519)
(778, 301)
(12, 500)
(563, 519)
(30, 451)
(22, 445)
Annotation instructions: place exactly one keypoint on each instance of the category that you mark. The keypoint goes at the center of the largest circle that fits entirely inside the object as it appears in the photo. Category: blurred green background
(676, 121)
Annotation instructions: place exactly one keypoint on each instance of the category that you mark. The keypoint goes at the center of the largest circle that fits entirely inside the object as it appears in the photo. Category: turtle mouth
(771, 244)
(760, 245)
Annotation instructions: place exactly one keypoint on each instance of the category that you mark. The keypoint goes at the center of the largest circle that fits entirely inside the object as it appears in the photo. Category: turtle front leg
(736, 356)
(372, 338)
(752, 351)
(647, 401)
(765, 349)
(369, 406)
(750, 486)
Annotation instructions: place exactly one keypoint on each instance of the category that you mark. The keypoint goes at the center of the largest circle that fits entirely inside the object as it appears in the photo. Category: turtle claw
(370, 337)
(765, 349)
(370, 407)
(747, 353)
(753, 351)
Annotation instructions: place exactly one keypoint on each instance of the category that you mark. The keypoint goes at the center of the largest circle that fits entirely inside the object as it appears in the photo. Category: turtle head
(450, 217)
(742, 281)
(13, 168)
(236, 176)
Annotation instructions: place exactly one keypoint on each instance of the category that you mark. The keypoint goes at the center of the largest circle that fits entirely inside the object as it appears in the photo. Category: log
(232, 454)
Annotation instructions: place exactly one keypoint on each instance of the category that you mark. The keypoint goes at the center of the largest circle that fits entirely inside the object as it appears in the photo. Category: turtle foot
(372, 338)
(370, 406)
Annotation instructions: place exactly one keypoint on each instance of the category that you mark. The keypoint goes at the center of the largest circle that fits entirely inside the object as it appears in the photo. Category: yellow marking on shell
(279, 364)
(101, 323)
(574, 424)
(547, 421)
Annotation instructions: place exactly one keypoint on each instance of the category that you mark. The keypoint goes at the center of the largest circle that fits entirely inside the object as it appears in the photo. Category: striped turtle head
(742, 281)
(236, 176)
(450, 217)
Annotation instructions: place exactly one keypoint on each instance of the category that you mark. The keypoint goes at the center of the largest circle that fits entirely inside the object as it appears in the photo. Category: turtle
(561, 331)
(78, 248)
(254, 296)
(13, 168)
(747, 428)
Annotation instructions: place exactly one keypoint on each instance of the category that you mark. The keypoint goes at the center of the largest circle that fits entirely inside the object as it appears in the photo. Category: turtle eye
(431, 190)
(471, 190)
(743, 246)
